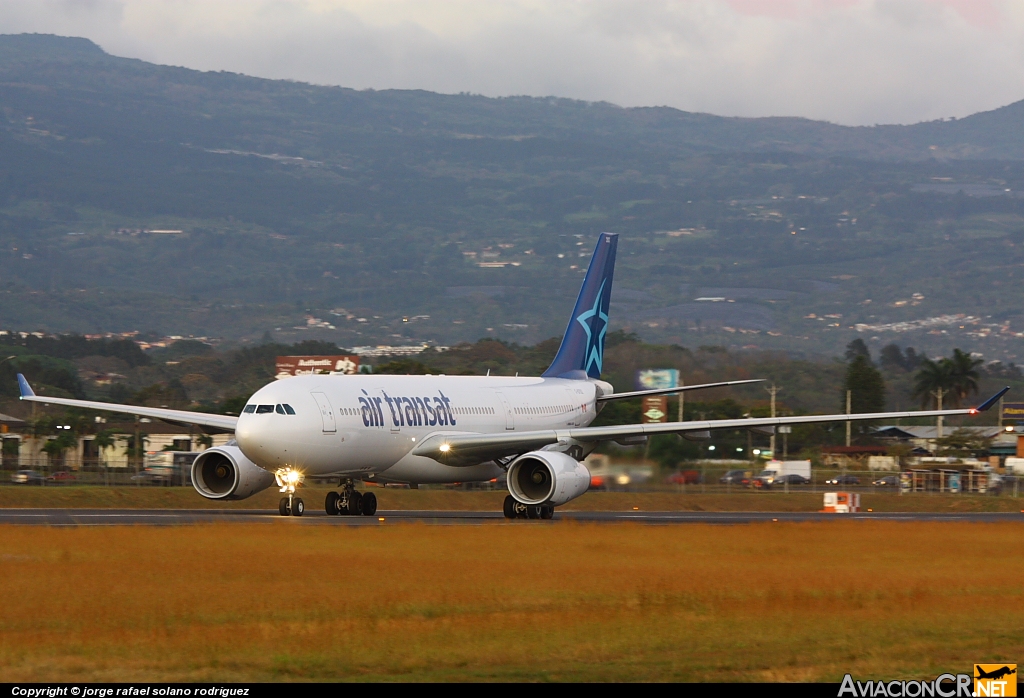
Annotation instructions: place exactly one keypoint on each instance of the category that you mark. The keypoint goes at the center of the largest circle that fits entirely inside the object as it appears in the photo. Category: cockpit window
(264, 409)
(288, 409)
(280, 409)
(249, 409)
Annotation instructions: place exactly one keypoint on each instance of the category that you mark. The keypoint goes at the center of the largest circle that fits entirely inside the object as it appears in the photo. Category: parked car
(843, 480)
(887, 481)
(61, 477)
(735, 477)
(27, 477)
(686, 477)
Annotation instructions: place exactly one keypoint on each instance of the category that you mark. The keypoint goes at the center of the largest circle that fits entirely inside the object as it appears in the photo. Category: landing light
(1008, 428)
(288, 479)
(444, 448)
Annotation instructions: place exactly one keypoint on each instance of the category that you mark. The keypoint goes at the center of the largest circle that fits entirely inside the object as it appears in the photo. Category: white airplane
(443, 429)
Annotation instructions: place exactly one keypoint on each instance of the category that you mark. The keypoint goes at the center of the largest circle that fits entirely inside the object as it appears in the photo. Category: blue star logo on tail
(595, 323)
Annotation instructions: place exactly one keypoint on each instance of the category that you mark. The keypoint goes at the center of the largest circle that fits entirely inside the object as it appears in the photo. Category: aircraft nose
(245, 434)
(267, 439)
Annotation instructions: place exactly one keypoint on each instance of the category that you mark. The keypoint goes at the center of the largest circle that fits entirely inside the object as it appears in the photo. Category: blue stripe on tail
(581, 353)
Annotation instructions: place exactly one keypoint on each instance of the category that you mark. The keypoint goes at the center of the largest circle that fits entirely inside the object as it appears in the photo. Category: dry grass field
(517, 601)
(460, 500)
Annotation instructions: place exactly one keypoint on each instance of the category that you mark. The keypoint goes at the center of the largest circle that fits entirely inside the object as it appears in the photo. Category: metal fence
(700, 479)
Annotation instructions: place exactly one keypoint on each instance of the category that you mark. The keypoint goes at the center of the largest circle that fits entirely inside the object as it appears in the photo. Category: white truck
(781, 471)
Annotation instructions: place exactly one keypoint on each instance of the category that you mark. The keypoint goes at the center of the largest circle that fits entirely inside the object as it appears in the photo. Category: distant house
(922, 439)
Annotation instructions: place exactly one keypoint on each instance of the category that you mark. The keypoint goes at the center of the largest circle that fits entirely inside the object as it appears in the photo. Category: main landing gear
(514, 509)
(350, 501)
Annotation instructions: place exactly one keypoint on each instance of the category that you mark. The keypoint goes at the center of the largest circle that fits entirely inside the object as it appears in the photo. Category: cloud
(849, 61)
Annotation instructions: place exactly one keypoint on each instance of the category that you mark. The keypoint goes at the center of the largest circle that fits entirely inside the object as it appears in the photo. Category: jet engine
(547, 477)
(225, 473)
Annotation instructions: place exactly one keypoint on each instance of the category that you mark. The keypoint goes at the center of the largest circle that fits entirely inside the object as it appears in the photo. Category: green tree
(930, 378)
(857, 348)
(866, 386)
(56, 447)
(963, 376)
(405, 367)
(103, 440)
(130, 450)
(962, 443)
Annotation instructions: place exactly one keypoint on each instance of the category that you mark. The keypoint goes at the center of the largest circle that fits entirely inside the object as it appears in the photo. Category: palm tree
(103, 440)
(930, 378)
(963, 376)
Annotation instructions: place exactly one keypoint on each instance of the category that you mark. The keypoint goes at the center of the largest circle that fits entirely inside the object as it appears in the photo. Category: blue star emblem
(595, 339)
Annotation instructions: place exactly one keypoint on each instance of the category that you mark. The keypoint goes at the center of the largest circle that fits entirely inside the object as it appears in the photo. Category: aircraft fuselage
(366, 425)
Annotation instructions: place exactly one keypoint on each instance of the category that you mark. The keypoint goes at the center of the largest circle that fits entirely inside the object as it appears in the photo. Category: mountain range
(165, 200)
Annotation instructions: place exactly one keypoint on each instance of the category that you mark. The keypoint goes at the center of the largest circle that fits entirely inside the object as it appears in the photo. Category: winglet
(26, 389)
(992, 400)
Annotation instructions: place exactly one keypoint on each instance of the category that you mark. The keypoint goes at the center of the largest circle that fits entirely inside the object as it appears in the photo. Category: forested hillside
(362, 217)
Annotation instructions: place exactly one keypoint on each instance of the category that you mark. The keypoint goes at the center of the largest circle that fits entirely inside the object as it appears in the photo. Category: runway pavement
(176, 517)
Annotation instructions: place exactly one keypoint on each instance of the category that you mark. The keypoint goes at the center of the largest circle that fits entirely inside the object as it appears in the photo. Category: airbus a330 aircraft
(442, 429)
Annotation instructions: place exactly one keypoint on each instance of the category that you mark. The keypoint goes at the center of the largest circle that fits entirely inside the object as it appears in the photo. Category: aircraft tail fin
(581, 354)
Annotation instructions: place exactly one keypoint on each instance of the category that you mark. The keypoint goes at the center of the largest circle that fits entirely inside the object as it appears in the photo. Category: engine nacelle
(225, 473)
(547, 477)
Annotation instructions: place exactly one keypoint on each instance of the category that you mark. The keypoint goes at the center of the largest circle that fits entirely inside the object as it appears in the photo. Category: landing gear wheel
(509, 507)
(547, 512)
(369, 504)
(297, 507)
(533, 512)
(331, 503)
(284, 508)
(355, 503)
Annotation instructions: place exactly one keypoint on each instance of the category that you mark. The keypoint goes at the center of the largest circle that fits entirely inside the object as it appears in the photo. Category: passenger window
(249, 409)
(288, 409)
(264, 409)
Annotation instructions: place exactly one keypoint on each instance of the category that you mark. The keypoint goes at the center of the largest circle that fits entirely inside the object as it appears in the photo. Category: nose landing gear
(288, 479)
(351, 502)
(514, 509)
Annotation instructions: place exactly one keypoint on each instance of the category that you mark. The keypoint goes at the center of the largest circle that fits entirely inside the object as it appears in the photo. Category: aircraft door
(576, 414)
(326, 412)
(510, 420)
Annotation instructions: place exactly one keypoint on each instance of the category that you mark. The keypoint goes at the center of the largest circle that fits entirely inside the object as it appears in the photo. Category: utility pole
(938, 401)
(681, 384)
(849, 402)
(773, 390)
(136, 443)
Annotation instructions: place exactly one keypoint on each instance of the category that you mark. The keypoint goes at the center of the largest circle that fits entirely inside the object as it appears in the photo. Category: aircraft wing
(468, 449)
(673, 391)
(220, 421)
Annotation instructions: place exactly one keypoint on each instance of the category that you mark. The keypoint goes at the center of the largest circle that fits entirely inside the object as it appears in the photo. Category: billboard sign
(288, 366)
(657, 378)
(654, 409)
(1013, 412)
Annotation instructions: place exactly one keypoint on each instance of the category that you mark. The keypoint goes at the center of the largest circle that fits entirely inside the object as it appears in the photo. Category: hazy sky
(849, 61)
